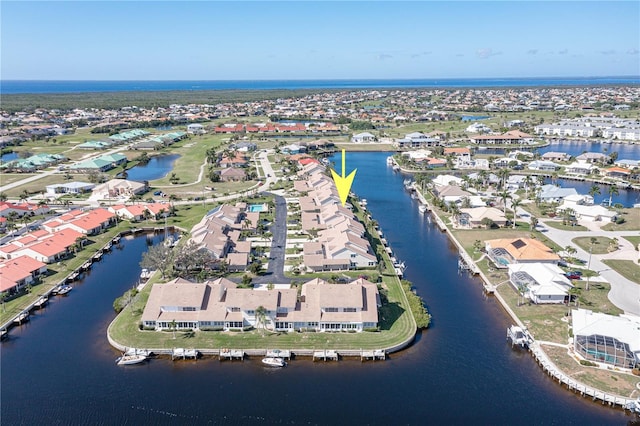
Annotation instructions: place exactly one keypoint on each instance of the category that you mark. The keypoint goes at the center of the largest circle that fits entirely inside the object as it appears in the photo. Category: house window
(235, 309)
(189, 309)
(353, 256)
(251, 312)
(331, 309)
(350, 310)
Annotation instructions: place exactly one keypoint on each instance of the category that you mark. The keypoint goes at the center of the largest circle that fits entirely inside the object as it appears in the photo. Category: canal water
(157, 167)
(574, 148)
(59, 368)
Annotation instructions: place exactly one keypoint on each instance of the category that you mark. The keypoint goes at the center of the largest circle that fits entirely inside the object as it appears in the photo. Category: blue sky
(148, 40)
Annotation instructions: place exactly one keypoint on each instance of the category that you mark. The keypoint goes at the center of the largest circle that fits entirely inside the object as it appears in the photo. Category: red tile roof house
(238, 160)
(232, 174)
(22, 209)
(87, 222)
(41, 245)
(18, 272)
(133, 212)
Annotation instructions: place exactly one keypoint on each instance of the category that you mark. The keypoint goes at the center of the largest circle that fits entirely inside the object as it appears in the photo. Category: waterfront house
(87, 222)
(541, 283)
(551, 193)
(555, 156)
(451, 193)
(416, 140)
(221, 305)
(542, 165)
(581, 168)
(443, 180)
(506, 251)
(509, 138)
(19, 272)
(364, 137)
(616, 172)
(473, 217)
(593, 157)
(606, 339)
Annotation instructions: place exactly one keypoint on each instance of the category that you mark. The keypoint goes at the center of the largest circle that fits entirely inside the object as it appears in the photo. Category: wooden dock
(325, 355)
(231, 354)
(377, 354)
(278, 353)
(182, 353)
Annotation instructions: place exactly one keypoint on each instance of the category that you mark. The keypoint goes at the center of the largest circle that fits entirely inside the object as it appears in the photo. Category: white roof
(593, 211)
(625, 328)
(442, 180)
(546, 275)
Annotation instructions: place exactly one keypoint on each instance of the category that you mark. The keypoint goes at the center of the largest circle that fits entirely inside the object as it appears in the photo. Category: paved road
(625, 294)
(275, 271)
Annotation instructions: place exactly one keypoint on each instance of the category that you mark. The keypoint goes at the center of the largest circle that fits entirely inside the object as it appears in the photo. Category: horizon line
(346, 79)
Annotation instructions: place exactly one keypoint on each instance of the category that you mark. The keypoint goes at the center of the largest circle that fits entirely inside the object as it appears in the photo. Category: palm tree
(594, 190)
(613, 190)
(504, 195)
(24, 195)
(504, 175)
(515, 203)
(174, 325)
(534, 222)
(261, 317)
(528, 181)
(3, 197)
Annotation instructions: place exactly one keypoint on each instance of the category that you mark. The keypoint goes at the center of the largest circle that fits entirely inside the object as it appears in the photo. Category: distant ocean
(81, 86)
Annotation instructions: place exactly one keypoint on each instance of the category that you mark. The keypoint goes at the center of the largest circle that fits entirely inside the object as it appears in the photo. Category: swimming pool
(253, 208)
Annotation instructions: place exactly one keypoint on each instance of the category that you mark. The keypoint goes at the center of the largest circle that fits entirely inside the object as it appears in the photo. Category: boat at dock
(4, 334)
(274, 361)
(145, 274)
(86, 265)
(390, 161)
(23, 317)
(519, 336)
(64, 289)
(422, 208)
(73, 277)
(134, 351)
(396, 168)
(130, 359)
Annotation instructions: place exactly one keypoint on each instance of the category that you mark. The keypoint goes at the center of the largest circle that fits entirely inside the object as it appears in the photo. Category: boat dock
(231, 354)
(278, 353)
(572, 384)
(325, 355)
(377, 354)
(182, 353)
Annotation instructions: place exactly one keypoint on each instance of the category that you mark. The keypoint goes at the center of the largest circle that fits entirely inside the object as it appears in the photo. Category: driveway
(275, 270)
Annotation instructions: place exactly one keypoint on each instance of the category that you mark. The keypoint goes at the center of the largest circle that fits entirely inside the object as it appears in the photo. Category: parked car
(573, 275)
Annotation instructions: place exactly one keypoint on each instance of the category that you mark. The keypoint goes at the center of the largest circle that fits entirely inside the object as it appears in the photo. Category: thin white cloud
(608, 52)
(487, 53)
(383, 56)
(563, 51)
(633, 51)
(532, 52)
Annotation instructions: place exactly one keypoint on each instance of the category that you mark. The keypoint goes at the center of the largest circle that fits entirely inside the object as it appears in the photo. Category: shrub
(588, 363)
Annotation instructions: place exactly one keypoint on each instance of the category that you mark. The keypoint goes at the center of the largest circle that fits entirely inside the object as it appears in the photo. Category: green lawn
(548, 322)
(606, 380)
(633, 240)
(561, 226)
(631, 221)
(600, 246)
(627, 268)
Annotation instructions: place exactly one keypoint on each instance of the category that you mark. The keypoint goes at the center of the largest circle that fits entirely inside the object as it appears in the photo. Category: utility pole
(589, 266)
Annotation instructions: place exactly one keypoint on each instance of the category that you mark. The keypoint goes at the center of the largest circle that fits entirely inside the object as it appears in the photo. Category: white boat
(422, 208)
(4, 334)
(634, 406)
(390, 161)
(396, 168)
(134, 351)
(145, 274)
(62, 290)
(273, 361)
(130, 359)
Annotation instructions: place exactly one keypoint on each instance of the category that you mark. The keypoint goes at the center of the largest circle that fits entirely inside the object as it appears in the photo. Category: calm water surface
(157, 167)
(59, 368)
